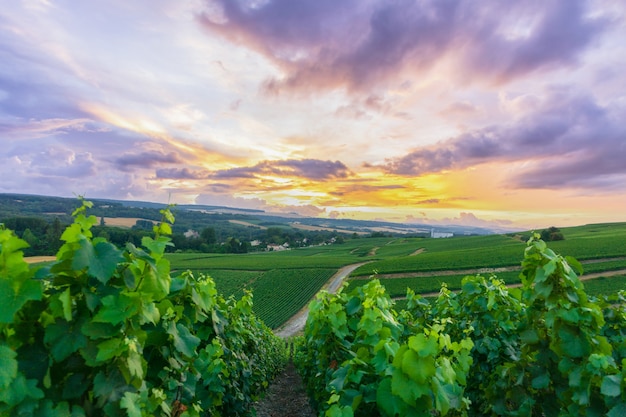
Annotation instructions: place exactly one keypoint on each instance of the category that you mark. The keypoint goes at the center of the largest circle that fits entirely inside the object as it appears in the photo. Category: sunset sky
(483, 112)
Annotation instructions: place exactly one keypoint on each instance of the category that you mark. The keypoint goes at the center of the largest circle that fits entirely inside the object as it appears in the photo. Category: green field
(284, 282)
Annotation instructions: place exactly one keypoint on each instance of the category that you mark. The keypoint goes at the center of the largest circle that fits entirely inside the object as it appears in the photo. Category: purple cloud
(146, 159)
(366, 188)
(358, 45)
(313, 169)
(569, 139)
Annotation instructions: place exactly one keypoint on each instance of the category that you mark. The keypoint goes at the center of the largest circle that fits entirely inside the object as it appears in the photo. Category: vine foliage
(545, 349)
(104, 331)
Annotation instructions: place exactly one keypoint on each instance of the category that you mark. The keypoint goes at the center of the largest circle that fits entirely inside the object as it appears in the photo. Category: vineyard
(399, 263)
(103, 331)
(109, 331)
(546, 349)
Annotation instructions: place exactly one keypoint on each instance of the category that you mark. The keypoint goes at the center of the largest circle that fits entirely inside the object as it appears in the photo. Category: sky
(481, 113)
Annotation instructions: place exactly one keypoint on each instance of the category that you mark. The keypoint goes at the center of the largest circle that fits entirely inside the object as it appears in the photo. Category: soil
(285, 397)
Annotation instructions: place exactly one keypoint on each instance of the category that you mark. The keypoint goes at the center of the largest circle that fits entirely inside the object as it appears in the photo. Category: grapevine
(104, 331)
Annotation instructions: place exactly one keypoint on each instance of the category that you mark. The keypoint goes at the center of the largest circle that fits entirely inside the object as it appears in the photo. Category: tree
(234, 245)
(551, 234)
(209, 236)
(30, 238)
(53, 235)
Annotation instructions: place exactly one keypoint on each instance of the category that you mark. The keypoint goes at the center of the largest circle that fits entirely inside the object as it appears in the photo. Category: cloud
(146, 159)
(359, 45)
(17, 128)
(429, 201)
(222, 198)
(363, 188)
(181, 174)
(458, 109)
(312, 169)
(370, 106)
(565, 139)
(463, 219)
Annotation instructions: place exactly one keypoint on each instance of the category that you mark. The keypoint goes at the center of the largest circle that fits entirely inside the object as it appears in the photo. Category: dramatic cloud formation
(361, 44)
(308, 168)
(146, 160)
(435, 111)
(559, 137)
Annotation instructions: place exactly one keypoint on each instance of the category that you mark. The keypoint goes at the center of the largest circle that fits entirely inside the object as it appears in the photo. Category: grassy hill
(422, 264)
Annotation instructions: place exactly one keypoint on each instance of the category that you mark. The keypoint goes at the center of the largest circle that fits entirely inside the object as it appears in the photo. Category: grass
(280, 293)
(284, 282)
(482, 253)
(605, 285)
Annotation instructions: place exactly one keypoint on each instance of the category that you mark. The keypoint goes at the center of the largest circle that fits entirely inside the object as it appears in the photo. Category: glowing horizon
(490, 114)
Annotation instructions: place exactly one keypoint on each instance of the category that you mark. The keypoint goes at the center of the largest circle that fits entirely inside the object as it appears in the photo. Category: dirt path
(38, 259)
(285, 397)
(294, 325)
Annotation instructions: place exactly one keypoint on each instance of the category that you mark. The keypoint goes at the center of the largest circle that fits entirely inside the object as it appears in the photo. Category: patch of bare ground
(285, 397)
(123, 221)
(38, 259)
(373, 251)
(417, 252)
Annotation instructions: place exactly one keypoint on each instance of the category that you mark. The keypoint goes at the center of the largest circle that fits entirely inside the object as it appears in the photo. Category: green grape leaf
(184, 341)
(66, 301)
(109, 387)
(544, 290)
(529, 336)
(155, 246)
(156, 282)
(445, 369)
(100, 259)
(204, 295)
(12, 298)
(117, 308)
(418, 368)
(75, 385)
(98, 330)
(611, 385)
(385, 399)
(72, 233)
(618, 411)
(541, 382)
(573, 262)
(573, 343)
(64, 338)
(150, 313)
(424, 346)
(167, 213)
(20, 389)
(135, 364)
(442, 401)
(130, 402)
(8, 366)
(33, 360)
(110, 348)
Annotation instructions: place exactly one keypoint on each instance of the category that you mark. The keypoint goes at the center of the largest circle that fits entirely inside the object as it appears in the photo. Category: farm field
(284, 282)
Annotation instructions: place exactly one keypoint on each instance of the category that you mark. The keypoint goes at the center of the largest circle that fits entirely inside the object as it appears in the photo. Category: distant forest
(40, 221)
